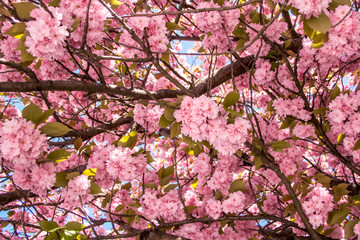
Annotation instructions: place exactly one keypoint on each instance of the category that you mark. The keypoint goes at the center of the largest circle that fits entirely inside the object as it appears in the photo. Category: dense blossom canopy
(180, 119)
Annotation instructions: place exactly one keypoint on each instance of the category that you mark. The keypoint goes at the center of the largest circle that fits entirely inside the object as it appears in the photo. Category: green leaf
(54, 129)
(149, 158)
(343, 2)
(74, 226)
(26, 56)
(126, 186)
(327, 232)
(357, 145)
(119, 208)
(129, 140)
(72, 175)
(237, 185)
(95, 189)
(175, 130)
(321, 23)
(231, 98)
(334, 93)
(48, 225)
(32, 112)
(58, 155)
(280, 145)
(290, 209)
(16, 29)
(340, 190)
(191, 208)
(323, 179)
(349, 228)
(270, 107)
(338, 216)
(271, 4)
(286, 197)
(23, 9)
(105, 201)
(163, 123)
(61, 180)
(320, 111)
(4, 224)
(5, 12)
(165, 57)
(46, 115)
(77, 144)
(165, 175)
(54, 3)
(170, 187)
(75, 24)
(169, 114)
(287, 122)
(258, 162)
(355, 198)
(171, 26)
(53, 236)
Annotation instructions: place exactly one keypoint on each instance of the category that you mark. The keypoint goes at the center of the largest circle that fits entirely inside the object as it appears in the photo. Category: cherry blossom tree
(174, 119)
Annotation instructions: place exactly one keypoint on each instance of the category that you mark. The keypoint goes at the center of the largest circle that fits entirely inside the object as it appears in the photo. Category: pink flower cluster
(116, 163)
(263, 75)
(73, 10)
(77, 192)
(148, 116)
(290, 161)
(291, 107)
(218, 23)
(344, 116)
(302, 131)
(20, 146)
(201, 121)
(235, 203)
(21, 143)
(122, 165)
(9, 44)
(344, 36)
(167, 207)
(155, 35)
(317, 204)
(273, 32)
(309, 7)
(271, 205)
(47, 35)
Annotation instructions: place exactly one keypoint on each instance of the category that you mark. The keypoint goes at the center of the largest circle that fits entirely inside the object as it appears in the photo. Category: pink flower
(213, 208)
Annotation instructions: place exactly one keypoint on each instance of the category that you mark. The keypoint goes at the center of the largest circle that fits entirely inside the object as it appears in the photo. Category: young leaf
(171, 26)
(321, 23)
(237, 185)
(58, 155)
(231, 98)
(280, 145)
(61, 180)
(357, 145)
(343, 2)
(23, 9)
(32, 112)
(339, 216)
(16, 29)
(54, 129)
(48, 225)
(74, 226)
(175, 130)
(164, 122)
(95, 189)
(334, 93)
